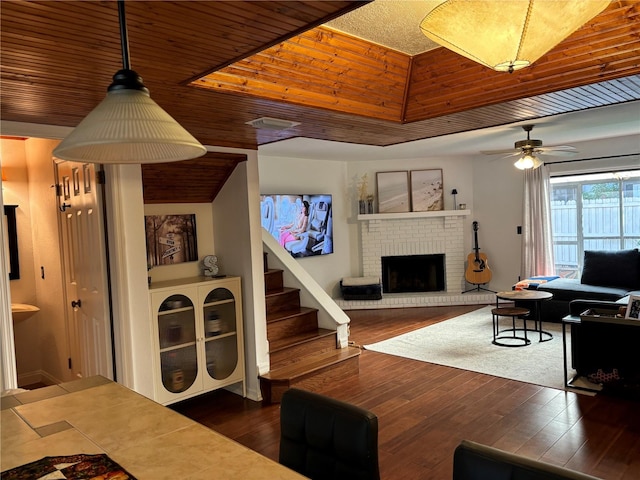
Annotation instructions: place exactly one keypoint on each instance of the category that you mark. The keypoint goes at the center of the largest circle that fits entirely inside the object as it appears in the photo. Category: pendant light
(507, 35)
(128, 126)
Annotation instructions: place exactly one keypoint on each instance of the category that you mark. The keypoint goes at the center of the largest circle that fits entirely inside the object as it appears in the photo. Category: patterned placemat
(72, 467)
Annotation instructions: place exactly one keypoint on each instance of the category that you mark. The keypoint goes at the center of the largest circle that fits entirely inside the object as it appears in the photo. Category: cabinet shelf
(175, 310)
(220, 337)
(177, 347)
(218, 302)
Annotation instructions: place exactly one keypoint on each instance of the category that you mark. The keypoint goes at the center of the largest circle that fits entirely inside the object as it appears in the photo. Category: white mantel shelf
(411, 215)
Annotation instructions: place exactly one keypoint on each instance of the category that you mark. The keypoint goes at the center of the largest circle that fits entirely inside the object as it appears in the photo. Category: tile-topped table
(96, 415)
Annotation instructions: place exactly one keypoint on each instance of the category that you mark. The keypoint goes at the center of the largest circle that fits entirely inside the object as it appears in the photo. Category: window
(593, 212)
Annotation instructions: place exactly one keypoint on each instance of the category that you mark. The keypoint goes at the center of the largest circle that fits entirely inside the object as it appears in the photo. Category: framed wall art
(393, 192)
(427, 190)
(171, 239)
(633, 307)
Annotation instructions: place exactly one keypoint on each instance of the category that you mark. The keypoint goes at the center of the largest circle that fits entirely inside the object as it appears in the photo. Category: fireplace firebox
(413, 273)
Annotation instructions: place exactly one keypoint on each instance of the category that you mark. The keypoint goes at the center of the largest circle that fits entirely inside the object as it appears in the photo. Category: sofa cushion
(568, 289)
(612, 268)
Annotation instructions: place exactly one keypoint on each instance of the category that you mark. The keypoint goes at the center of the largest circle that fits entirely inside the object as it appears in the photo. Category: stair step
(273, 281)
(295, 348)
(286, 299)
(291, 322)
(309, 373)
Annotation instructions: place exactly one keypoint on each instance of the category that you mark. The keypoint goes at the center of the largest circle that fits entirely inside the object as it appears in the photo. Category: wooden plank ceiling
(272, 58)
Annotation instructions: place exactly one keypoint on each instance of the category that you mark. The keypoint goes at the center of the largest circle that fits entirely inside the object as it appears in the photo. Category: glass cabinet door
(177, 339)
(220, 336)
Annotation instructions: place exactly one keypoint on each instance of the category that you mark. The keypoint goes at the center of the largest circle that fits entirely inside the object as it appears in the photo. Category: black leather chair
(473, 461)
(324, 438)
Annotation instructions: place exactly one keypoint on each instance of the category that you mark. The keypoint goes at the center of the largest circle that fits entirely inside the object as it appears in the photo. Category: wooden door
(85, 270)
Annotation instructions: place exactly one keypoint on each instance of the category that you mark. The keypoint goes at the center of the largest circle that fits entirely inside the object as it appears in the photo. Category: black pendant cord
(125, 79)
(124, 40)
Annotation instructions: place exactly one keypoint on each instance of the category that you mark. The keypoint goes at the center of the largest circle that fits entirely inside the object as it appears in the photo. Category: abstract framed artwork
(427, 190)
(393, 192)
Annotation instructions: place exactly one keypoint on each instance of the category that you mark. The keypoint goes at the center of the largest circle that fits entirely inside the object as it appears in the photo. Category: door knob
(76, 304)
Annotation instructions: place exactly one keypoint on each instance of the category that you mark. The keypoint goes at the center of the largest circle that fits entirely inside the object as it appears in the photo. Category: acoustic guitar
(478, 271)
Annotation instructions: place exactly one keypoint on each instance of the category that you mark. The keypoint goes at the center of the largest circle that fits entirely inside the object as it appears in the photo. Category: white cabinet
(197, 336)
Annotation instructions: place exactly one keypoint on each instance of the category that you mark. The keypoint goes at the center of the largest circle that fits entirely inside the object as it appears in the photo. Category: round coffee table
(536, 298)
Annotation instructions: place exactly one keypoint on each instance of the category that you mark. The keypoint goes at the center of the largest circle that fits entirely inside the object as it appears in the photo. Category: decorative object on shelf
(506, 35)
(363, 194)
(393, 192)
(210, 264)
(171, 239)
(370, 204)
(427, 190)
(454, 192)
(462, 206)
(633, 307)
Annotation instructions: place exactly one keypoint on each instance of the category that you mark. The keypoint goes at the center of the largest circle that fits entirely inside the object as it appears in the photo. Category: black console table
(600, 343)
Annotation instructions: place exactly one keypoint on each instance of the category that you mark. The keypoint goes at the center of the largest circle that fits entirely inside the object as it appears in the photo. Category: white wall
(204, 235)
(341, 179)
(491, 187)
(299, 176)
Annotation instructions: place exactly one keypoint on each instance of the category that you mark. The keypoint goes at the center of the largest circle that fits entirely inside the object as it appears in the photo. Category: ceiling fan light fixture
(506, 35)
(528, 161)
(128, 127)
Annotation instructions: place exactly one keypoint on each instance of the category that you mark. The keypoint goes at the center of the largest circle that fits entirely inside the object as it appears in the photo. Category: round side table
(536, 298)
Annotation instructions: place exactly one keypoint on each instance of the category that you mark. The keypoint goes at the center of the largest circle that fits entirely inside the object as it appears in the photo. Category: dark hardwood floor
(424, 411)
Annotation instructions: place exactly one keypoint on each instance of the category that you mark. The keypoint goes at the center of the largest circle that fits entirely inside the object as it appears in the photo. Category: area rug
(465, 342)
(72, 467)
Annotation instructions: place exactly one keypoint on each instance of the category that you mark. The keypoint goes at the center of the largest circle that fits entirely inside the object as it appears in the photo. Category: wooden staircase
(301, 354)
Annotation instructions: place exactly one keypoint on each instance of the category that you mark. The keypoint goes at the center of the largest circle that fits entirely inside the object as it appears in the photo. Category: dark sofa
(606, 276)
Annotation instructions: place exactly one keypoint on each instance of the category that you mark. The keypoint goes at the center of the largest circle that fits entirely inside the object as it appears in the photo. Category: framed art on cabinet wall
(171, 239)
(427, 190)
(393, 192)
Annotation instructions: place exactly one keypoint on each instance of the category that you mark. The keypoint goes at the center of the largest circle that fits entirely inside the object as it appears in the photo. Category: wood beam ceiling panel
(323, 69)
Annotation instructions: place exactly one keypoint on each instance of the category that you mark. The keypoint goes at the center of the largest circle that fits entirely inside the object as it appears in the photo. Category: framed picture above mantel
(393, 192)
(427, 190)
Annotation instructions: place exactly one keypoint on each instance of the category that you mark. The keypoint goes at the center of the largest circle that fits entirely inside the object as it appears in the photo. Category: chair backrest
(325, 438)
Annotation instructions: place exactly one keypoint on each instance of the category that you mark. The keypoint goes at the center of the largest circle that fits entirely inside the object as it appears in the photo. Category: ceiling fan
(530, 149)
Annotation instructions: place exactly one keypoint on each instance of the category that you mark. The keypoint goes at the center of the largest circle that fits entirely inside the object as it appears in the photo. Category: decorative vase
(369, 206)
(363, 206)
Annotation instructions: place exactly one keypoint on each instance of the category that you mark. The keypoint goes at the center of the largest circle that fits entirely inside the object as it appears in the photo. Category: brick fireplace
(423, 233)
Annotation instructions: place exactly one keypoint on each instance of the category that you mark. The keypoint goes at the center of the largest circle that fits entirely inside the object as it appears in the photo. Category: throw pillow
(612, 268)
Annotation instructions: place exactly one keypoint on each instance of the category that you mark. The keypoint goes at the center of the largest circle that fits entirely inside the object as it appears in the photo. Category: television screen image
(302, 224)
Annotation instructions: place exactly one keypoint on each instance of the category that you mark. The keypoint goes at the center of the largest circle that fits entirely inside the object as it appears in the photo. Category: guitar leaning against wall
(478, 271)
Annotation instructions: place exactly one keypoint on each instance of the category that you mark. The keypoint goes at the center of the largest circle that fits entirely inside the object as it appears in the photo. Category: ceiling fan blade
(499, 152)
(557, 153)
(559, 147)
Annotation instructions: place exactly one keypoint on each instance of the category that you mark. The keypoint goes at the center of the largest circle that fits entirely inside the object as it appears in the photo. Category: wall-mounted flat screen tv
(302, 224)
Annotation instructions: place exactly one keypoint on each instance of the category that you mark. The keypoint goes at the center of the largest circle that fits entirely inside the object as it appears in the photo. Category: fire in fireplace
(413, 273)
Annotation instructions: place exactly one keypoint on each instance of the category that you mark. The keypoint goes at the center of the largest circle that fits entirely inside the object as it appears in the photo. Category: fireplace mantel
(410, 215)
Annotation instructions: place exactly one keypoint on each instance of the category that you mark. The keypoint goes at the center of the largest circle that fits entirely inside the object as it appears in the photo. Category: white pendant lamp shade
(129, 127)
(507, 35)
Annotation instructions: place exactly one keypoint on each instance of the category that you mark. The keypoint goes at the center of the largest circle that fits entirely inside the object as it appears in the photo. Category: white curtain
(537, 240)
